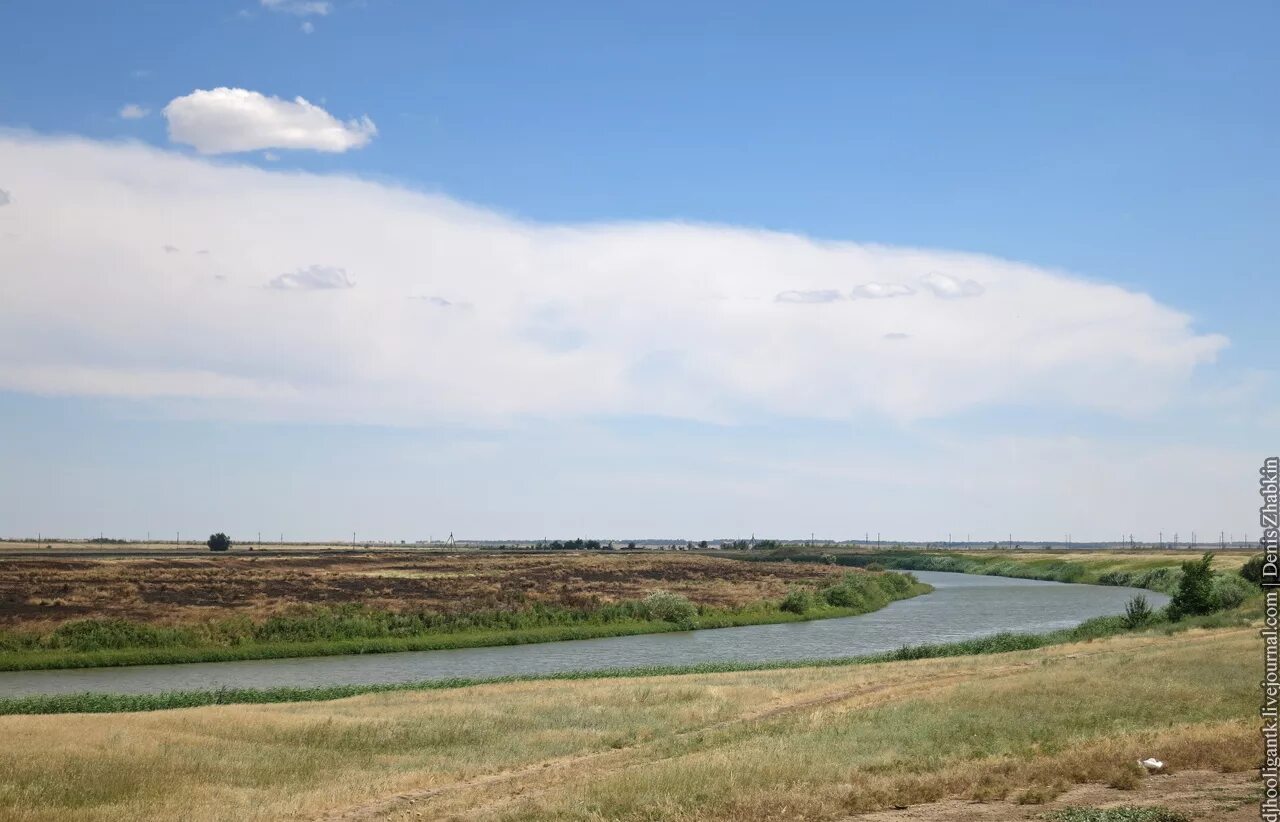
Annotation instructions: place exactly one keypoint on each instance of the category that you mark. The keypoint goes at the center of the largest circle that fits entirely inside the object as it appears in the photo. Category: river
(962, 606)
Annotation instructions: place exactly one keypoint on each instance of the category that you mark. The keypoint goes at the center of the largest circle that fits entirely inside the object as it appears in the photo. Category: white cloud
(825, 295)
(881, 291)
(307, 27)
(302, 8)
(133, 111)
(565, 320)
(230, 120)
(951, 288)
(313, 278)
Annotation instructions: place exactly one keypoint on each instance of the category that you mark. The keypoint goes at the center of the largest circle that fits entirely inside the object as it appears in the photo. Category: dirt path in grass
(491, 792)
(499, 788)
(1205, 796)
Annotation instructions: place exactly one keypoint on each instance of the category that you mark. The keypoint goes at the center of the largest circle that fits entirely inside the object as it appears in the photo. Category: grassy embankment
(1153, 570)
(817, 742)
(353, 629)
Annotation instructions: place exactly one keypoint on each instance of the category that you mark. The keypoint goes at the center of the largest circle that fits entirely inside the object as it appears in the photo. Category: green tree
(1195, 589)
(219, 542)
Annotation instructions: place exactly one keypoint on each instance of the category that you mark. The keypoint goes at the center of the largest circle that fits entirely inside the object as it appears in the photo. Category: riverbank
(824, 741)
(1001, 643)
(1155, 570)
(354, 629)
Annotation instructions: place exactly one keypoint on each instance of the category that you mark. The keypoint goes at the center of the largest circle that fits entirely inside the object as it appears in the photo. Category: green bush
(96, 634)
(1137, 612)
(673, 608)
(1252, 570)
(1230, 590)
(797, 601)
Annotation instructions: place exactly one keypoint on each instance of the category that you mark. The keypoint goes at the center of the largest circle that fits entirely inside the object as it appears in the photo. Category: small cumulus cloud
(232, 120)
(307, 27)
(313, 278)
(951, 288)
(821, 296)
(133, 111)
(302, 8)
(881, 291)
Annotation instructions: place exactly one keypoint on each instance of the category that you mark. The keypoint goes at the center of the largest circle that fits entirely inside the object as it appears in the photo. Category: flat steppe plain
(40, 591)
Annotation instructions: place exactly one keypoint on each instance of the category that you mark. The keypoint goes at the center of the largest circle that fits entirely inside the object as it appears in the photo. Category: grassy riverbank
(1097, 628)
(1153, 570)
(819, 742)
(353, 629)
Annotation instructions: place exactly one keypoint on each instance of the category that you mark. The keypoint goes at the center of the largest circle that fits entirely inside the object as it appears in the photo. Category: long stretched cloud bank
(129, 271)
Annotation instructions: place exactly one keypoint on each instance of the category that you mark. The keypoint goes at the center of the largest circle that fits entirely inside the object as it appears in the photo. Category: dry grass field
(36, 592)
(1125, 560)
(1011, 731)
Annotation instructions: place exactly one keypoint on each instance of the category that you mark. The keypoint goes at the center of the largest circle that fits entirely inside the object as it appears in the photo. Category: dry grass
(39, 592)
(797, 743)
(1136, 560)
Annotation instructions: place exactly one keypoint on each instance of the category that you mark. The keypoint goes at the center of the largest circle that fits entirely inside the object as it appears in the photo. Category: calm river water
(962, 607)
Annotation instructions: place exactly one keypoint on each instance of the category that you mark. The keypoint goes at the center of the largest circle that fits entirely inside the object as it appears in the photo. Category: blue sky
(1116, 152)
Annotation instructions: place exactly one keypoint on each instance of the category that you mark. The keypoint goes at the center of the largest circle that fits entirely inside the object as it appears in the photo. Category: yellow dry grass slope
(813, 743)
